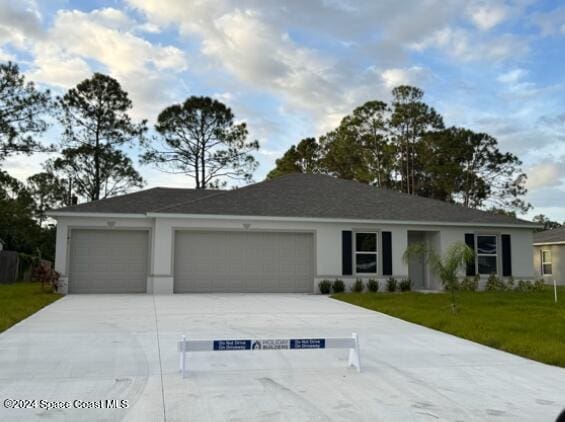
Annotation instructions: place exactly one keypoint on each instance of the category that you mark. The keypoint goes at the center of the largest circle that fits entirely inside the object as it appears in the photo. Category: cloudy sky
(293, 69)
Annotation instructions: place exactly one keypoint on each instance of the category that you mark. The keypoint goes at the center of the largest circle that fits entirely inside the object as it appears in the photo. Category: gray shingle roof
(299, 195)
(550, 236)
(140, 202)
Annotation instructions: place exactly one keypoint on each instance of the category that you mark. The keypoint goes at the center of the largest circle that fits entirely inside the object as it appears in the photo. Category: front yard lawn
(20, 300)
(527, 324)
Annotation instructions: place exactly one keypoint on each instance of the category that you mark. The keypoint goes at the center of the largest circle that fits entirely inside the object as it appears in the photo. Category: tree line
(547, 223)
(199, 138)
(404, 145)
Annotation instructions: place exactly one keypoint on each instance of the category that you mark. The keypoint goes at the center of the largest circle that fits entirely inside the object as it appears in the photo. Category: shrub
(494, 284)
(524, 286)
(405, 285)
(391, 284)
(373, 285)
(45, 274)
(469, 284)
(538, 285)
(27, 266)
(358, 286)
(510, 283)
(338, 286)
(325, 287)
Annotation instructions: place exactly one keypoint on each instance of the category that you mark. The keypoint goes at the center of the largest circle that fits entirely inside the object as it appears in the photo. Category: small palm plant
(446, 266)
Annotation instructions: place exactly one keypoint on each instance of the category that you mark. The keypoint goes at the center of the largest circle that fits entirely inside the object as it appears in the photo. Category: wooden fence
(14, 268)
(9, 265)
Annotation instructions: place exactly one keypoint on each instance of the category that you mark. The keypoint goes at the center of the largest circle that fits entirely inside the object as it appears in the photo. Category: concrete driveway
(124, 347)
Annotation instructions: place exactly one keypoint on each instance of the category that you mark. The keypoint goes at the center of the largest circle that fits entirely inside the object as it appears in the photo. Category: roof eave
(557, 242)
(56, 214)
(85, 214)
(339, 220)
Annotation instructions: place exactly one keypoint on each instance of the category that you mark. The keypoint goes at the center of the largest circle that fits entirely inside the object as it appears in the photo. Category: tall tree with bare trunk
(201, 139)
(23, 109)
(96, 124)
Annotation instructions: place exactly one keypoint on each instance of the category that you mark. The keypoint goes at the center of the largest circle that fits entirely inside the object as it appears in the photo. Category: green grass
(20, 300)
(526, 324)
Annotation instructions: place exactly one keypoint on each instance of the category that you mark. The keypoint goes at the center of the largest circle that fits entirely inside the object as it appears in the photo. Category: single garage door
(243, 262)
(108, 261)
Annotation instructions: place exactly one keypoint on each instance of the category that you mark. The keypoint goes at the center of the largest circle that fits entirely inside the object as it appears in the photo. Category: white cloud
(550, 23)
(100, 35)
(54, 67)
(105, 40)
(5, 56)
(262, 56)
(512, 76)
(487, 16)
(107, 17)
(250, 44)
(19, 19)
(22, 167)
(259, 54)
(407, 76)
(466, 46)
(546, 174)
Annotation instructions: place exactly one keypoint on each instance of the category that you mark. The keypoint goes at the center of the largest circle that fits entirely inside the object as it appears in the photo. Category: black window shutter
(506, 255)
(386, 239)
(346, 253)
(470, 241)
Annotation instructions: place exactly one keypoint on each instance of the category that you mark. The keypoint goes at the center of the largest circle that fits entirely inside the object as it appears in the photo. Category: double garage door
(243, 262)
(116, 261)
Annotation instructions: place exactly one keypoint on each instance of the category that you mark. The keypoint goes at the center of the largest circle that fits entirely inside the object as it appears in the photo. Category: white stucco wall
(327, 243)
(520, 244)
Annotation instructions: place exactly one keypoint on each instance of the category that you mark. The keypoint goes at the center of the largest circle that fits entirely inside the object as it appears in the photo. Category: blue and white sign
(220, 345)
(308, 343)
(268, 344)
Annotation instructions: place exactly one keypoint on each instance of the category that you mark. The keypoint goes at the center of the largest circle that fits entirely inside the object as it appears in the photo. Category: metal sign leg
(183, 357)
(354, 354)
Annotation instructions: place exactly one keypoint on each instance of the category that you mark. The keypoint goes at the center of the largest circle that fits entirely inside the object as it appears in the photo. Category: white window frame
(495, 254)
(543, 263)
(376, 252)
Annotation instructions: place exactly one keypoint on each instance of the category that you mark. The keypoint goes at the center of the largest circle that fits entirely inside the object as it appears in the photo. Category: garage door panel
(108, 261)
(216, 261)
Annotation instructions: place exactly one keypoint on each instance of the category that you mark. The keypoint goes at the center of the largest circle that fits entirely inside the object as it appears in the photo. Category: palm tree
(446, 266)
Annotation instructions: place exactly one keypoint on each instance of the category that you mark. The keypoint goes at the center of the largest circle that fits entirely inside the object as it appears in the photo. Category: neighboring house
(281, 235)
(549, 255)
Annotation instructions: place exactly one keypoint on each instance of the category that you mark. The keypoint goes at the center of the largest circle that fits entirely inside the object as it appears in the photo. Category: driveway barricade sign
(352, 343)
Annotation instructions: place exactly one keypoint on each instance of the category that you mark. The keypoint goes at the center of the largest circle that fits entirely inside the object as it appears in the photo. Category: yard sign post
(351, 343)
(555, 290)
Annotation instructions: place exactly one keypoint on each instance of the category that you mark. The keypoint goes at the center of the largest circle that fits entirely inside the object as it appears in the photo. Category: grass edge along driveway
(20, 300)
(527, 324)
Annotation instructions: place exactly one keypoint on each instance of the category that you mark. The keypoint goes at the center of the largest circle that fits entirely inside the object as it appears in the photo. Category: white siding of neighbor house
(558, 263)
(327, 243)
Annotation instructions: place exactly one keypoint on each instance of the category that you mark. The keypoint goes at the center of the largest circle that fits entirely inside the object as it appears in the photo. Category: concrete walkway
(124, 347)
